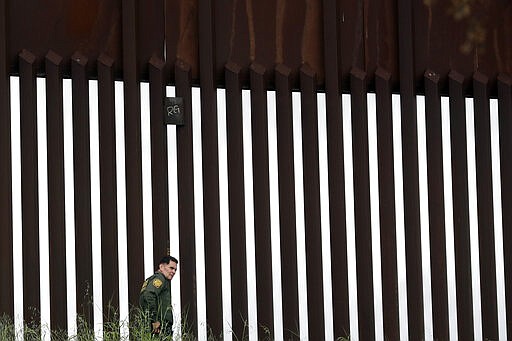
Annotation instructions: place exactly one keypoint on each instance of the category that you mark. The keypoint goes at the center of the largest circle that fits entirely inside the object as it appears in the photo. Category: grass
(112, 329)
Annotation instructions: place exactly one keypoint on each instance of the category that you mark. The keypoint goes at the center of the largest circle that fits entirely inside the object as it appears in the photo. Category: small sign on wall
(173, 110)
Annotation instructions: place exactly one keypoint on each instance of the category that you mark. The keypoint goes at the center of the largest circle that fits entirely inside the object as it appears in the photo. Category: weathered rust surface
(441, 40)
(269, 32)
(90, 27)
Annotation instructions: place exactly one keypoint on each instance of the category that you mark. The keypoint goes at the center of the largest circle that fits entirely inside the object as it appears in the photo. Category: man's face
(168, 270)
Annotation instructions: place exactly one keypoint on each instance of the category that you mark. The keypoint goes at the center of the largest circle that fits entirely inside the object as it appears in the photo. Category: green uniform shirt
(155, 298)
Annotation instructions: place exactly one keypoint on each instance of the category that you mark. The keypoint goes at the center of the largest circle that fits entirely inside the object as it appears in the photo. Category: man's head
(168, 266)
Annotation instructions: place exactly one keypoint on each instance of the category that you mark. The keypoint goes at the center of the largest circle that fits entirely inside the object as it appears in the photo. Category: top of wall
(332, 36)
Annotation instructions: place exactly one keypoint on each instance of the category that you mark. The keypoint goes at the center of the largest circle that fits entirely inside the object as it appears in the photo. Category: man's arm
(149, 301)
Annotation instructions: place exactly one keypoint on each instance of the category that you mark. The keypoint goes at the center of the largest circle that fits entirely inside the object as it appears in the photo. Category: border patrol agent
(155, 297)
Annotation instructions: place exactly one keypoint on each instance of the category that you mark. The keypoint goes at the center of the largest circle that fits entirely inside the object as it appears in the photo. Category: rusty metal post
(287, 207)
(186, 199)
(406, 59)
(159, 171)
(133, 151)
(209, 132)
(56, 191)
(436, 204)
(387, 207)
(482, 126)
(108, 188)
(260, 162)
(311, 181)
(465, 322)
(82, 183)
(29, 187)
(337, 213)
(362, 205)
(237, 230)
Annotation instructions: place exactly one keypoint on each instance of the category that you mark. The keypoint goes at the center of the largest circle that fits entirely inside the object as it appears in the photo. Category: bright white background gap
(274, 215)
(498, 226)
(173, 214)
(448, 218)
(473, 218)
(399, 214)
(121, 207)
(224, 214)
(350, 215)
(375, 214)
(424, 219)
(249, 216)
(323, 167)
(69, 197)
(172, 160)
(299, 215)
(43, 200)
(147, 199)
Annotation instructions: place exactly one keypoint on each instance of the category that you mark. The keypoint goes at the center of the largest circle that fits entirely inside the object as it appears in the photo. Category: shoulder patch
(157, 283)
(144, 285)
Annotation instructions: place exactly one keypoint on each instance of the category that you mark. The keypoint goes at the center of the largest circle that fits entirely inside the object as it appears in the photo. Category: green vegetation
(112, 328)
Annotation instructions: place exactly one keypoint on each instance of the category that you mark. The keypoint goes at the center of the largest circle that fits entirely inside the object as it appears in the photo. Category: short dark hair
(167, 259)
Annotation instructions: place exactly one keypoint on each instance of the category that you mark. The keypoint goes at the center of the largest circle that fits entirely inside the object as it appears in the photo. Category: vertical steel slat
(6, 246)
(56, 191)
(133, 164)
(287, 209)
(259, 120)
(505, 122)
(410, 170)
(482, 127)
(372, 34)
(82, 183)
(363, 233)
(151, 31)
(406, 49)
(436, 206)
(29, 187)
(108, 188)
(387, 205)
(187, 259)
(210, 166)
(159, 178)
(412, 223)
(460, 206)
(186, 198)
(313, 231)
(336, 170)
(237, 231)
